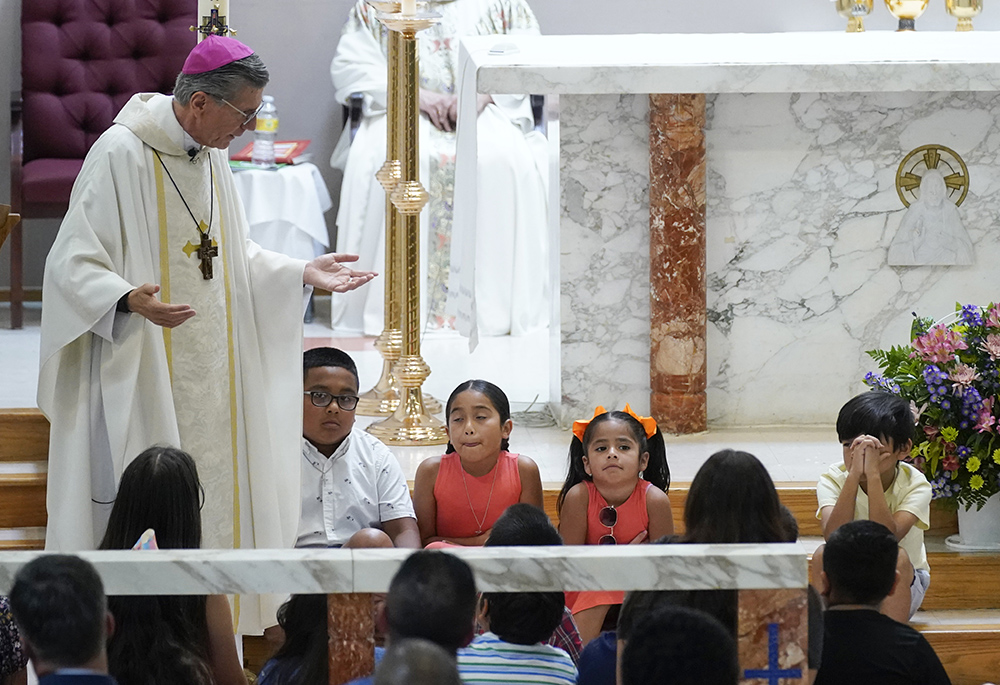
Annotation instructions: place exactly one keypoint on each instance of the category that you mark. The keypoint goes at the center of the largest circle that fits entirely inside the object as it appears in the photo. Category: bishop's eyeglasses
(247, 118)
(323, 399)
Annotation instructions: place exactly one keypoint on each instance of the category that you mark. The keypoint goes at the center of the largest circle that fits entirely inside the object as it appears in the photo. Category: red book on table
(285, 151)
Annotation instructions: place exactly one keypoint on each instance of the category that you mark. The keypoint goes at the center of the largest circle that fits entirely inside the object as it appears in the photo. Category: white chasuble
(200, 351)
(511, 227)
(225, 386)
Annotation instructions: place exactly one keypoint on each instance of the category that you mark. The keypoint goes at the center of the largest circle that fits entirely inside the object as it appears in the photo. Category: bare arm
(842, 512)
(222, 656)
(531, 482)
(661, 515)
(424, 503)
(573, 516)
(403, 532)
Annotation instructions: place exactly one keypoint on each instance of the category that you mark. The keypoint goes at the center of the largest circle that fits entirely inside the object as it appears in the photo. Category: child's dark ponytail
(575, 473)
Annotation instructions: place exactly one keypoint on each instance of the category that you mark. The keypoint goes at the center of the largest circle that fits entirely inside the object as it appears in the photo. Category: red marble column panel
(773, 630)
(677, 262)
(351, 626)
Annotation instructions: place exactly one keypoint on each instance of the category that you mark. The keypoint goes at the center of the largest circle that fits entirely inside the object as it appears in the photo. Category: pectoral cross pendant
(206, 250)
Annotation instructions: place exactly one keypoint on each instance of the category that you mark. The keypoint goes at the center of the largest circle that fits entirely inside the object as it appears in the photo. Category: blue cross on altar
(772, 673)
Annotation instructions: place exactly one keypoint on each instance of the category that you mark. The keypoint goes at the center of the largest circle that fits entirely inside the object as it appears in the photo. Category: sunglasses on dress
(608, 517)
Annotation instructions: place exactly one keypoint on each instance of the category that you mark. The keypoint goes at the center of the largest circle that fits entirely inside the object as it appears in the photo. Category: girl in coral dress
(615, 494)
(458, 496)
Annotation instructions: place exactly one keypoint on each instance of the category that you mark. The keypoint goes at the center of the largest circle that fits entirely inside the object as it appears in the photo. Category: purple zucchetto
(214, 52)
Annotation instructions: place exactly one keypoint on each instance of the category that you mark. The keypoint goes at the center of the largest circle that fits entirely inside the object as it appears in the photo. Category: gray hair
(414, 661)
(225, 83)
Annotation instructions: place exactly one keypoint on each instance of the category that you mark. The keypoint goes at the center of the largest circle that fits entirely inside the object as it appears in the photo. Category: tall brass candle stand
(383, 399)
(410, 423)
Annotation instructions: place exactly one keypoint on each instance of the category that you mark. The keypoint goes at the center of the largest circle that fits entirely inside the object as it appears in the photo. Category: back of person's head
(789, 524)
(415, 662)
(657, 470)
(859, 562)
(523, 524)
(524, 618)
(432, 596)
(492, 392)
(722, 605)
(159, 490)
(329, 356)
(304, 656)
(879, 414)
(732, 499)
(60, 609)
(679, 646)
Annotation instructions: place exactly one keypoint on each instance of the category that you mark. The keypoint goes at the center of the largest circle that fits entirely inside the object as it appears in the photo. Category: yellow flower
(972, 464)
(996, 455)
(976, 482)
(949, 434)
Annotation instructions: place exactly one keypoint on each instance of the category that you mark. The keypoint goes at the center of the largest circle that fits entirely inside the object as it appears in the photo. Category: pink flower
(919, 462)
(963, 376)
(931, 432)
(950, 463)
(993, 316)
(939, 344)
(986, 419)
(917, 411)
(992, 345)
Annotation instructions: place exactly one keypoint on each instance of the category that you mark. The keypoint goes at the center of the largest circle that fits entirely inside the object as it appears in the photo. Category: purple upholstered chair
(81, 60)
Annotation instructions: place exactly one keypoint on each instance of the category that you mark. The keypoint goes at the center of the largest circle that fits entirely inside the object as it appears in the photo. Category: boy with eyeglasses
(353, 491)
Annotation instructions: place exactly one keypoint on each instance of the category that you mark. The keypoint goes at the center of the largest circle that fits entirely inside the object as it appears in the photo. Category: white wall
(297, 41)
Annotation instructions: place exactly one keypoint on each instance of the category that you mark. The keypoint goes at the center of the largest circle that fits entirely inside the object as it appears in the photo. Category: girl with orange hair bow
(614, 494)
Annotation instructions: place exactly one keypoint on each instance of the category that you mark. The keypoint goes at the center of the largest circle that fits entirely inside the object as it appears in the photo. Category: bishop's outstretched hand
(328, 272)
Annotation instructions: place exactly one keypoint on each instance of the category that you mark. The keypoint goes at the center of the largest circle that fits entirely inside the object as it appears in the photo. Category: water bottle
(265, 134)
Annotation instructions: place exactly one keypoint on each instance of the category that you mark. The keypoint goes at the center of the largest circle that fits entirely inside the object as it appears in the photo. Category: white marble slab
(815, 62)
(629, 567)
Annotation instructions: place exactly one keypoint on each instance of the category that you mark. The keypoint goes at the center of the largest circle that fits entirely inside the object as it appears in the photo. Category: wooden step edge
(23, 480)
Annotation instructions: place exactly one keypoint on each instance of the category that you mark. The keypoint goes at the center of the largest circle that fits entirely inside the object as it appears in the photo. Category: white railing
(516, 569)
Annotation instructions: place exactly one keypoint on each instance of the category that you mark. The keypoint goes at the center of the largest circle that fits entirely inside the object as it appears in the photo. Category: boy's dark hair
(732, 499)
(523, 524)
(657, 471)
(493, 393)
(432, 596)
(415, 662)
(524, 618)
(679, 646)
(329, 356)
(159, 490)
(305, 655)
(860, 563)
(879, 414)
(60, 609)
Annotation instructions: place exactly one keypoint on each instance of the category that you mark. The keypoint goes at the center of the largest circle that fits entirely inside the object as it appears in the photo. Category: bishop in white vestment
(163, 324)
(512, 235)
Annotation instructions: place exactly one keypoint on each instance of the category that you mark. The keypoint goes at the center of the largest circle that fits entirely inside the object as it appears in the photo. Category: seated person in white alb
(353, 491)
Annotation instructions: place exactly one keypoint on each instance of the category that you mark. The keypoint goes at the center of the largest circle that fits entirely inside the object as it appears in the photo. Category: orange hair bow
(648, 422)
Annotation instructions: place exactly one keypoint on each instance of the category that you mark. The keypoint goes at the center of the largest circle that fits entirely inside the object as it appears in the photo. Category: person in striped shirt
(513, 650)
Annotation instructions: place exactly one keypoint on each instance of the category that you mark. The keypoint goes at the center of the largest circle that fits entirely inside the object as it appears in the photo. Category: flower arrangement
(950, 373)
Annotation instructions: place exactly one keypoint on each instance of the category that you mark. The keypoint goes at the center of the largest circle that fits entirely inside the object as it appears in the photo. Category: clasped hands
(442, 109)
(867, 456)
(327, 272)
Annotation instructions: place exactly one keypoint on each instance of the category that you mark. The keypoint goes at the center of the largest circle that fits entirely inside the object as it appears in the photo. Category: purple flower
(971, 315)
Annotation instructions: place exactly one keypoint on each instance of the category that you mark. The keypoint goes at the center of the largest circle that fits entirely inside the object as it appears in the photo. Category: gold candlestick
(854, 11)
(411, 423)
(907, 12)
(964, 11)
(383, 399)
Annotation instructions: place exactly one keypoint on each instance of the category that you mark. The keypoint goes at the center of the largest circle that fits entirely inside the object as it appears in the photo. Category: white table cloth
(285, 209)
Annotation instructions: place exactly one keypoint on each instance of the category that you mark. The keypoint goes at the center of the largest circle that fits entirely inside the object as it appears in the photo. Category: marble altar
(802, 133)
